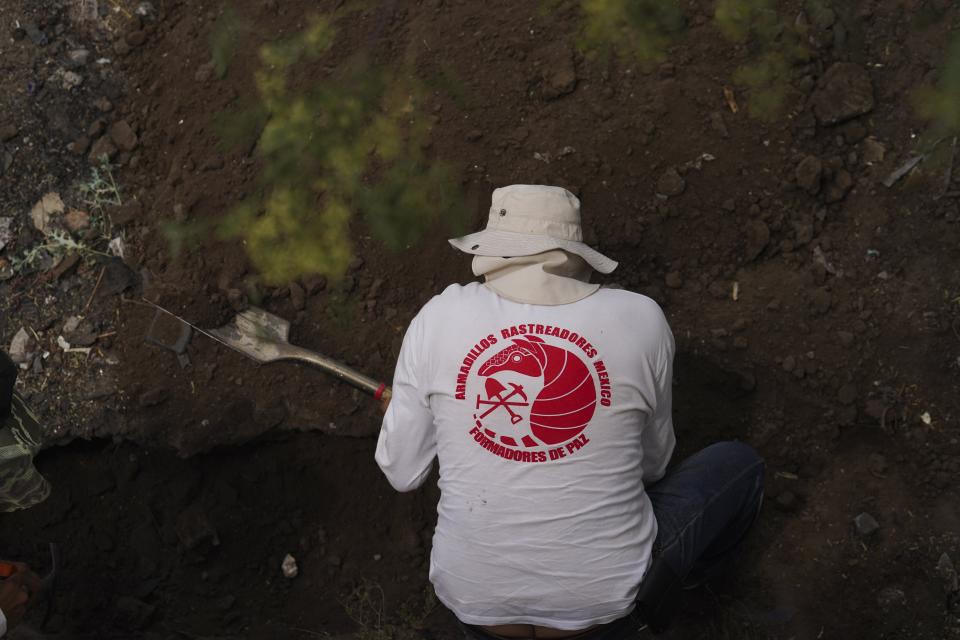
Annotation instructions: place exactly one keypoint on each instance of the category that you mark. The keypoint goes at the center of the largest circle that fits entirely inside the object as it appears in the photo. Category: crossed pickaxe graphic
(496, 399)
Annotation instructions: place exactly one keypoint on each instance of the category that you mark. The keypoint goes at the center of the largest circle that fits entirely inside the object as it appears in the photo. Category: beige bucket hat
(527, 219)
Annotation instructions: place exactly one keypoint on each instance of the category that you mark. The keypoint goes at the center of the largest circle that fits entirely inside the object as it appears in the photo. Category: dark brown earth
(844, 330)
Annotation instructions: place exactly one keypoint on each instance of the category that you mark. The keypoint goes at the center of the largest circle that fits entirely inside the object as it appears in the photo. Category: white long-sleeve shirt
(546, 421)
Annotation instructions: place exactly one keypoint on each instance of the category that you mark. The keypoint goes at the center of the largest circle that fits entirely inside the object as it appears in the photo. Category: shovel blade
(258, 334)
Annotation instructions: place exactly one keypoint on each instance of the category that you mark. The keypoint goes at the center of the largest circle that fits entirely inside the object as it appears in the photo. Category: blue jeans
(704, 508)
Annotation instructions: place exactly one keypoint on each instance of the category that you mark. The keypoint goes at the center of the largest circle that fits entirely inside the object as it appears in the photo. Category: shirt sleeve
(407, 443)
(3, 625)
(658, 438)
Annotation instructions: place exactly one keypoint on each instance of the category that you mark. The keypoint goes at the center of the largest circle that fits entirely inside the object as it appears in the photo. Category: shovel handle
(379, 390)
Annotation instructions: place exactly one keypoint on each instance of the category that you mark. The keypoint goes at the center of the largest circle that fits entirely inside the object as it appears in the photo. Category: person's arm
(658, 439)
(407, 443)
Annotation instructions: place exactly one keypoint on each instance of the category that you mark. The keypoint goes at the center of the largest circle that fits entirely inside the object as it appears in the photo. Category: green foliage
(777, 47)
(224, 36)
(941, 103)
(642, 29)
(344, 145)
(98, 192)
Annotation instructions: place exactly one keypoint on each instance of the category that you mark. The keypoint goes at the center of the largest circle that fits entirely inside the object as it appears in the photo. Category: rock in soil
(809, 174)
(674, 280)
(122, 135)
(103, 147)
(845, 91)
(866, 524)
(671, 183)
(560, 74)
(44, 211)
(21, 347)
(758, 237)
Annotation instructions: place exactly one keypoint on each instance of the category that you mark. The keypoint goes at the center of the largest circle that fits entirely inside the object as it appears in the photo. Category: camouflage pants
(21, 485)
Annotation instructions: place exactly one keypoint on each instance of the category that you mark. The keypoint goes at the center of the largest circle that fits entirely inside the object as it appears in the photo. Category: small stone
(877, 463)
(841, 185)
(205, 72)
(79, 146)
(719, 125)
(474, 134)
(809, 173)
(122, 135)
(76, 220)
(79, 57)
(22, 347)
(789, 364)
(758, 237)
(42, 214)
(866, 524)
(297, 296)
(120, 47)
(136, 38)
(671, 183)
(873, 151)
(674, 280)
(891, 597)
(820, 301)
(102, 148)
(72, 80)
(8, 132)
(845, 91)
(289, 567)
(153, 397)
(315, 284)
(103, 104)
(560, 75)
(729, 205)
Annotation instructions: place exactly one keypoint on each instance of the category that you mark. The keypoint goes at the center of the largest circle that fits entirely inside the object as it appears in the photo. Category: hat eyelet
(503, 212)
(474, 247)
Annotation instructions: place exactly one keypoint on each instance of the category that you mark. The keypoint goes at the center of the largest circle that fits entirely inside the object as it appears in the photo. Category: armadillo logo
(534, 399)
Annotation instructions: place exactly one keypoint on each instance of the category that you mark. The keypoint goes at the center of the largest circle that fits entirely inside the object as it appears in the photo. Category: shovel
(264, 337)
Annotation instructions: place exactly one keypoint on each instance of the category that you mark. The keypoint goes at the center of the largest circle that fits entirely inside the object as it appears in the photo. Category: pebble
(866, 524)
(845, 337)
(674, 280)
(758, 237)
(671, 183)
(560, 78)
(289, 567)
(122, 135)
(71, 80)
(891, 596)
(8, 132)
(789, 364)
(79, 57)
(21, 347)
(873, 151)
(474, 135)
(315, 283)
(153, 397)
(103, 147)
(297, 296)
(844, 92)
(809, 174)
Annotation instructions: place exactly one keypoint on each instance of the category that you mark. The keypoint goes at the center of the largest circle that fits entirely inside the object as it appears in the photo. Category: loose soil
(838, 357)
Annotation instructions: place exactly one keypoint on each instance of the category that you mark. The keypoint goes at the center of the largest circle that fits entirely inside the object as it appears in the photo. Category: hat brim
(492, 242)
